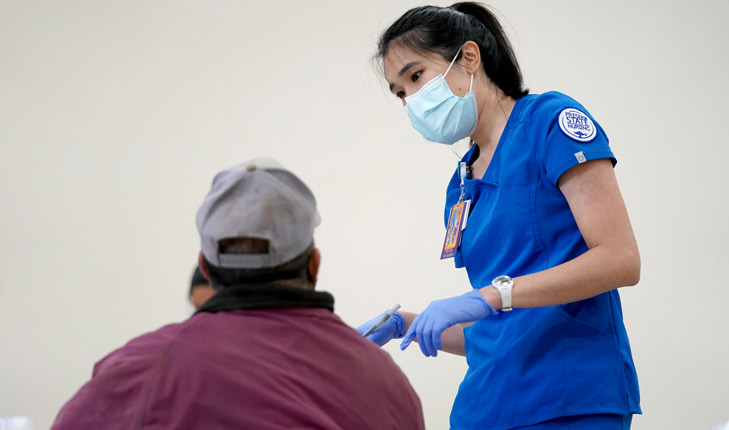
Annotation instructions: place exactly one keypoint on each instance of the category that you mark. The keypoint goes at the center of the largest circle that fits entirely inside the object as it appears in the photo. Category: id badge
(456, 223)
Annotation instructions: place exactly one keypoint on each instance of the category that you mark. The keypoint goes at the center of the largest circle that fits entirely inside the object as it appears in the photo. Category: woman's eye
(400, 94)
(415, 76)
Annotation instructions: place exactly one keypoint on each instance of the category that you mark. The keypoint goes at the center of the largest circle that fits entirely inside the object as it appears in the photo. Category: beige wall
(114, 116)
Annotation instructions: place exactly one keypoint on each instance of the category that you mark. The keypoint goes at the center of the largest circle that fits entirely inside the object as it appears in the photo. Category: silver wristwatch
(503, 285)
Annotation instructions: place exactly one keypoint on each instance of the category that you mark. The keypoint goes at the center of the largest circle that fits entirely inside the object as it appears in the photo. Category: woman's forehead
(399, 56)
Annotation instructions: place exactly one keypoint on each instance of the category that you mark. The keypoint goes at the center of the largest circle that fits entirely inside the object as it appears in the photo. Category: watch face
(501, 281)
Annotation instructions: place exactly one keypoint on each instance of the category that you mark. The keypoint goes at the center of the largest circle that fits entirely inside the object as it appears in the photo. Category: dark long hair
(445, 29)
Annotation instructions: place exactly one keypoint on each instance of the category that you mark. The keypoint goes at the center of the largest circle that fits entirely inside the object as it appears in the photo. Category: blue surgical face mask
(438, 114)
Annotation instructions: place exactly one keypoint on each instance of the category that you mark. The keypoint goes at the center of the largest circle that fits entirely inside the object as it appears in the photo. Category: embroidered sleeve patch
(577, 125)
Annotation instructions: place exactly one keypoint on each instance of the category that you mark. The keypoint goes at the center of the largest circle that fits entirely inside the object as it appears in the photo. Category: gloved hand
(441, 314)
(394, 328)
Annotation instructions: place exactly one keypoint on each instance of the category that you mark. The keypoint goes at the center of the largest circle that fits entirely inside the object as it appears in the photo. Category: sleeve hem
(573, 161)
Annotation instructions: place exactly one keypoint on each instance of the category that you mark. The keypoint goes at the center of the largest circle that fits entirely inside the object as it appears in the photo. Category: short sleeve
(572, 135)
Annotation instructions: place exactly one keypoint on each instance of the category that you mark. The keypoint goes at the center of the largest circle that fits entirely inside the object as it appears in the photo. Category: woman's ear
(471, 57)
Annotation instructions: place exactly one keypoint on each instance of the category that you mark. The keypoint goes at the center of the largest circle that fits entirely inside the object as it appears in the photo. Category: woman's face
(407, 71)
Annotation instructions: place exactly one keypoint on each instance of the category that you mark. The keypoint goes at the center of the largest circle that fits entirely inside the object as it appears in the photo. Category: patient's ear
(203, 266)
(312, 269)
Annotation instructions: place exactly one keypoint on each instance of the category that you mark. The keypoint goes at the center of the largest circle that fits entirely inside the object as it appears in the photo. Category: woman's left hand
(394, 328)
(441, 314)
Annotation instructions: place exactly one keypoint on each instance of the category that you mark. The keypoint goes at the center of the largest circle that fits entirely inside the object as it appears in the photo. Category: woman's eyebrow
(404, 69)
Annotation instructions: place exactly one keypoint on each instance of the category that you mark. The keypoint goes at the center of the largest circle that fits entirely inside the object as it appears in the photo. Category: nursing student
(547, 239)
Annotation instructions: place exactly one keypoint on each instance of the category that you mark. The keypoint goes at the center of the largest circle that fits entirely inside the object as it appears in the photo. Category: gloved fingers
(425, 337)
(410, 334)
(366, 326)
(438, 330)
(398, 324)
(382, 335)
(379, 338)
(362, 328)
(435, 331)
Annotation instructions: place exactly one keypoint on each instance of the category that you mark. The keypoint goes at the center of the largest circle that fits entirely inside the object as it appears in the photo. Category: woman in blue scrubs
(547, 239)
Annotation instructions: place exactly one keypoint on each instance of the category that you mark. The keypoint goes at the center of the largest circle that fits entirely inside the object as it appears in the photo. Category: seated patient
(266, 351)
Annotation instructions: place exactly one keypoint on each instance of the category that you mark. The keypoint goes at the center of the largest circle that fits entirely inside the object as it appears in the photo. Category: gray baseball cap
(257, 199)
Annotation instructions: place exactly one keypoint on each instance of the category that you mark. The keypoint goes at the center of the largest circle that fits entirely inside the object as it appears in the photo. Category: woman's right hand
(394, 328)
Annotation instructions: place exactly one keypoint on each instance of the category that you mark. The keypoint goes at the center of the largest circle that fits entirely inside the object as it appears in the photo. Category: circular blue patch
(577, 125)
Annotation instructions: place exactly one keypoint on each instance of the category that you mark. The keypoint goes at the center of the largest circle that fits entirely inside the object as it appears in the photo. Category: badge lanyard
(457, 219)
(463, 171)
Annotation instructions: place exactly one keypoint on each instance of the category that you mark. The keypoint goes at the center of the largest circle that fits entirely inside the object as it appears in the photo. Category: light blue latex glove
(441, 314)
(394, 328)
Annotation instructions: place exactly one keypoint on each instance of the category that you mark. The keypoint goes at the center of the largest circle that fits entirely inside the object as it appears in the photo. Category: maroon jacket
(254, 357)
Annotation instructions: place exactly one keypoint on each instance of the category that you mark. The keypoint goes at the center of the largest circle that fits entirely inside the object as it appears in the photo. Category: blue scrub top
(532, 365)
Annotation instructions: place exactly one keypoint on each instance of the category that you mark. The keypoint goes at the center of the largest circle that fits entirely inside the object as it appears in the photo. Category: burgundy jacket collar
(257, 296)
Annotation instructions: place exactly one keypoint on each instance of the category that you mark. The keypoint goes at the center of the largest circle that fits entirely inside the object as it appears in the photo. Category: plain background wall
(114, 117)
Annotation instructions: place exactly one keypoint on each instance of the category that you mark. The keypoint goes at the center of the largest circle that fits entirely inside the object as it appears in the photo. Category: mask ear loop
(451, 65)
(453, 61)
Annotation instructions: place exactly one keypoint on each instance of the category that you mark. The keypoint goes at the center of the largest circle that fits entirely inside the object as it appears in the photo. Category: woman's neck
(494, 113)
(494, 110)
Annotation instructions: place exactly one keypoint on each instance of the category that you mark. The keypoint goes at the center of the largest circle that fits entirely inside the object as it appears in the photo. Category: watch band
(503, 285)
